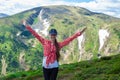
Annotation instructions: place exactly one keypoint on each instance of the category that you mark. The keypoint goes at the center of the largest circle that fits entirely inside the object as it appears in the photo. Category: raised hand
(24, 23)
(83, 30)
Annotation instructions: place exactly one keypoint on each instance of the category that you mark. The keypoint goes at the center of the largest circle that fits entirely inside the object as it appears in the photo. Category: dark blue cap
(53, 32)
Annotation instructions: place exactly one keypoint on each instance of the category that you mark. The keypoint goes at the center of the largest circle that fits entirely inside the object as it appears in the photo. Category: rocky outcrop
(4, 66)
(22, 62)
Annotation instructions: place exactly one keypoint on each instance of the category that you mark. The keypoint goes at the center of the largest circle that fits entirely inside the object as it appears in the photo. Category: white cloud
(14, 6)
(110, 7)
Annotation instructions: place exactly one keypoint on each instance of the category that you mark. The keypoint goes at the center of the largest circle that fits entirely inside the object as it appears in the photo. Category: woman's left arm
(68, 40)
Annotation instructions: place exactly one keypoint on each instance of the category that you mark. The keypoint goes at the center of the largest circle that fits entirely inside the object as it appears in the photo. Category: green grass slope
(106, 68)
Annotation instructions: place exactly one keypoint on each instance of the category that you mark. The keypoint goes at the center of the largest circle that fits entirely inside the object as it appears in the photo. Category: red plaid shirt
(49, 48)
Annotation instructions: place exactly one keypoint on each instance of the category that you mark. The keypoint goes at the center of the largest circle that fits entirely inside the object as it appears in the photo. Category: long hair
(57, 50)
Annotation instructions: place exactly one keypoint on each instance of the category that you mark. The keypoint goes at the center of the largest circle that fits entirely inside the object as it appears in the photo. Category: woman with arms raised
(51, 51)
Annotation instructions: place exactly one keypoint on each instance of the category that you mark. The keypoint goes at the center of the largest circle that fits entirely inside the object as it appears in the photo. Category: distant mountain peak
(2, 15)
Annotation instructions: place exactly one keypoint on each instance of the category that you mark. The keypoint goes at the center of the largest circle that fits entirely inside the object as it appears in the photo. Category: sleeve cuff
(78, 33)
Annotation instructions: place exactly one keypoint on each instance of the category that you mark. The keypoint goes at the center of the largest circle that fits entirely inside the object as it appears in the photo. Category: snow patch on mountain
(43, 24)
(81, 40)
(103, 34)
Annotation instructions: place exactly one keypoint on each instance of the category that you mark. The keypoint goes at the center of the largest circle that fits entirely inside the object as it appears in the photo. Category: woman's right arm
(42, 40)
(35, 34)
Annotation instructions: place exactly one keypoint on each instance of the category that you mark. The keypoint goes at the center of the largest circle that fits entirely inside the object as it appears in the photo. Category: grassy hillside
(12, 44)
(106, 68)
(15, 40)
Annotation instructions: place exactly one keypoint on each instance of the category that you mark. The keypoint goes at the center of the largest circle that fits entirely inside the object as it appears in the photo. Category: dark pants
(50, 74)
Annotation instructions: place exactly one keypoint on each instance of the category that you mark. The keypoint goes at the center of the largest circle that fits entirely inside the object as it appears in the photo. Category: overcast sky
(110, 7)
